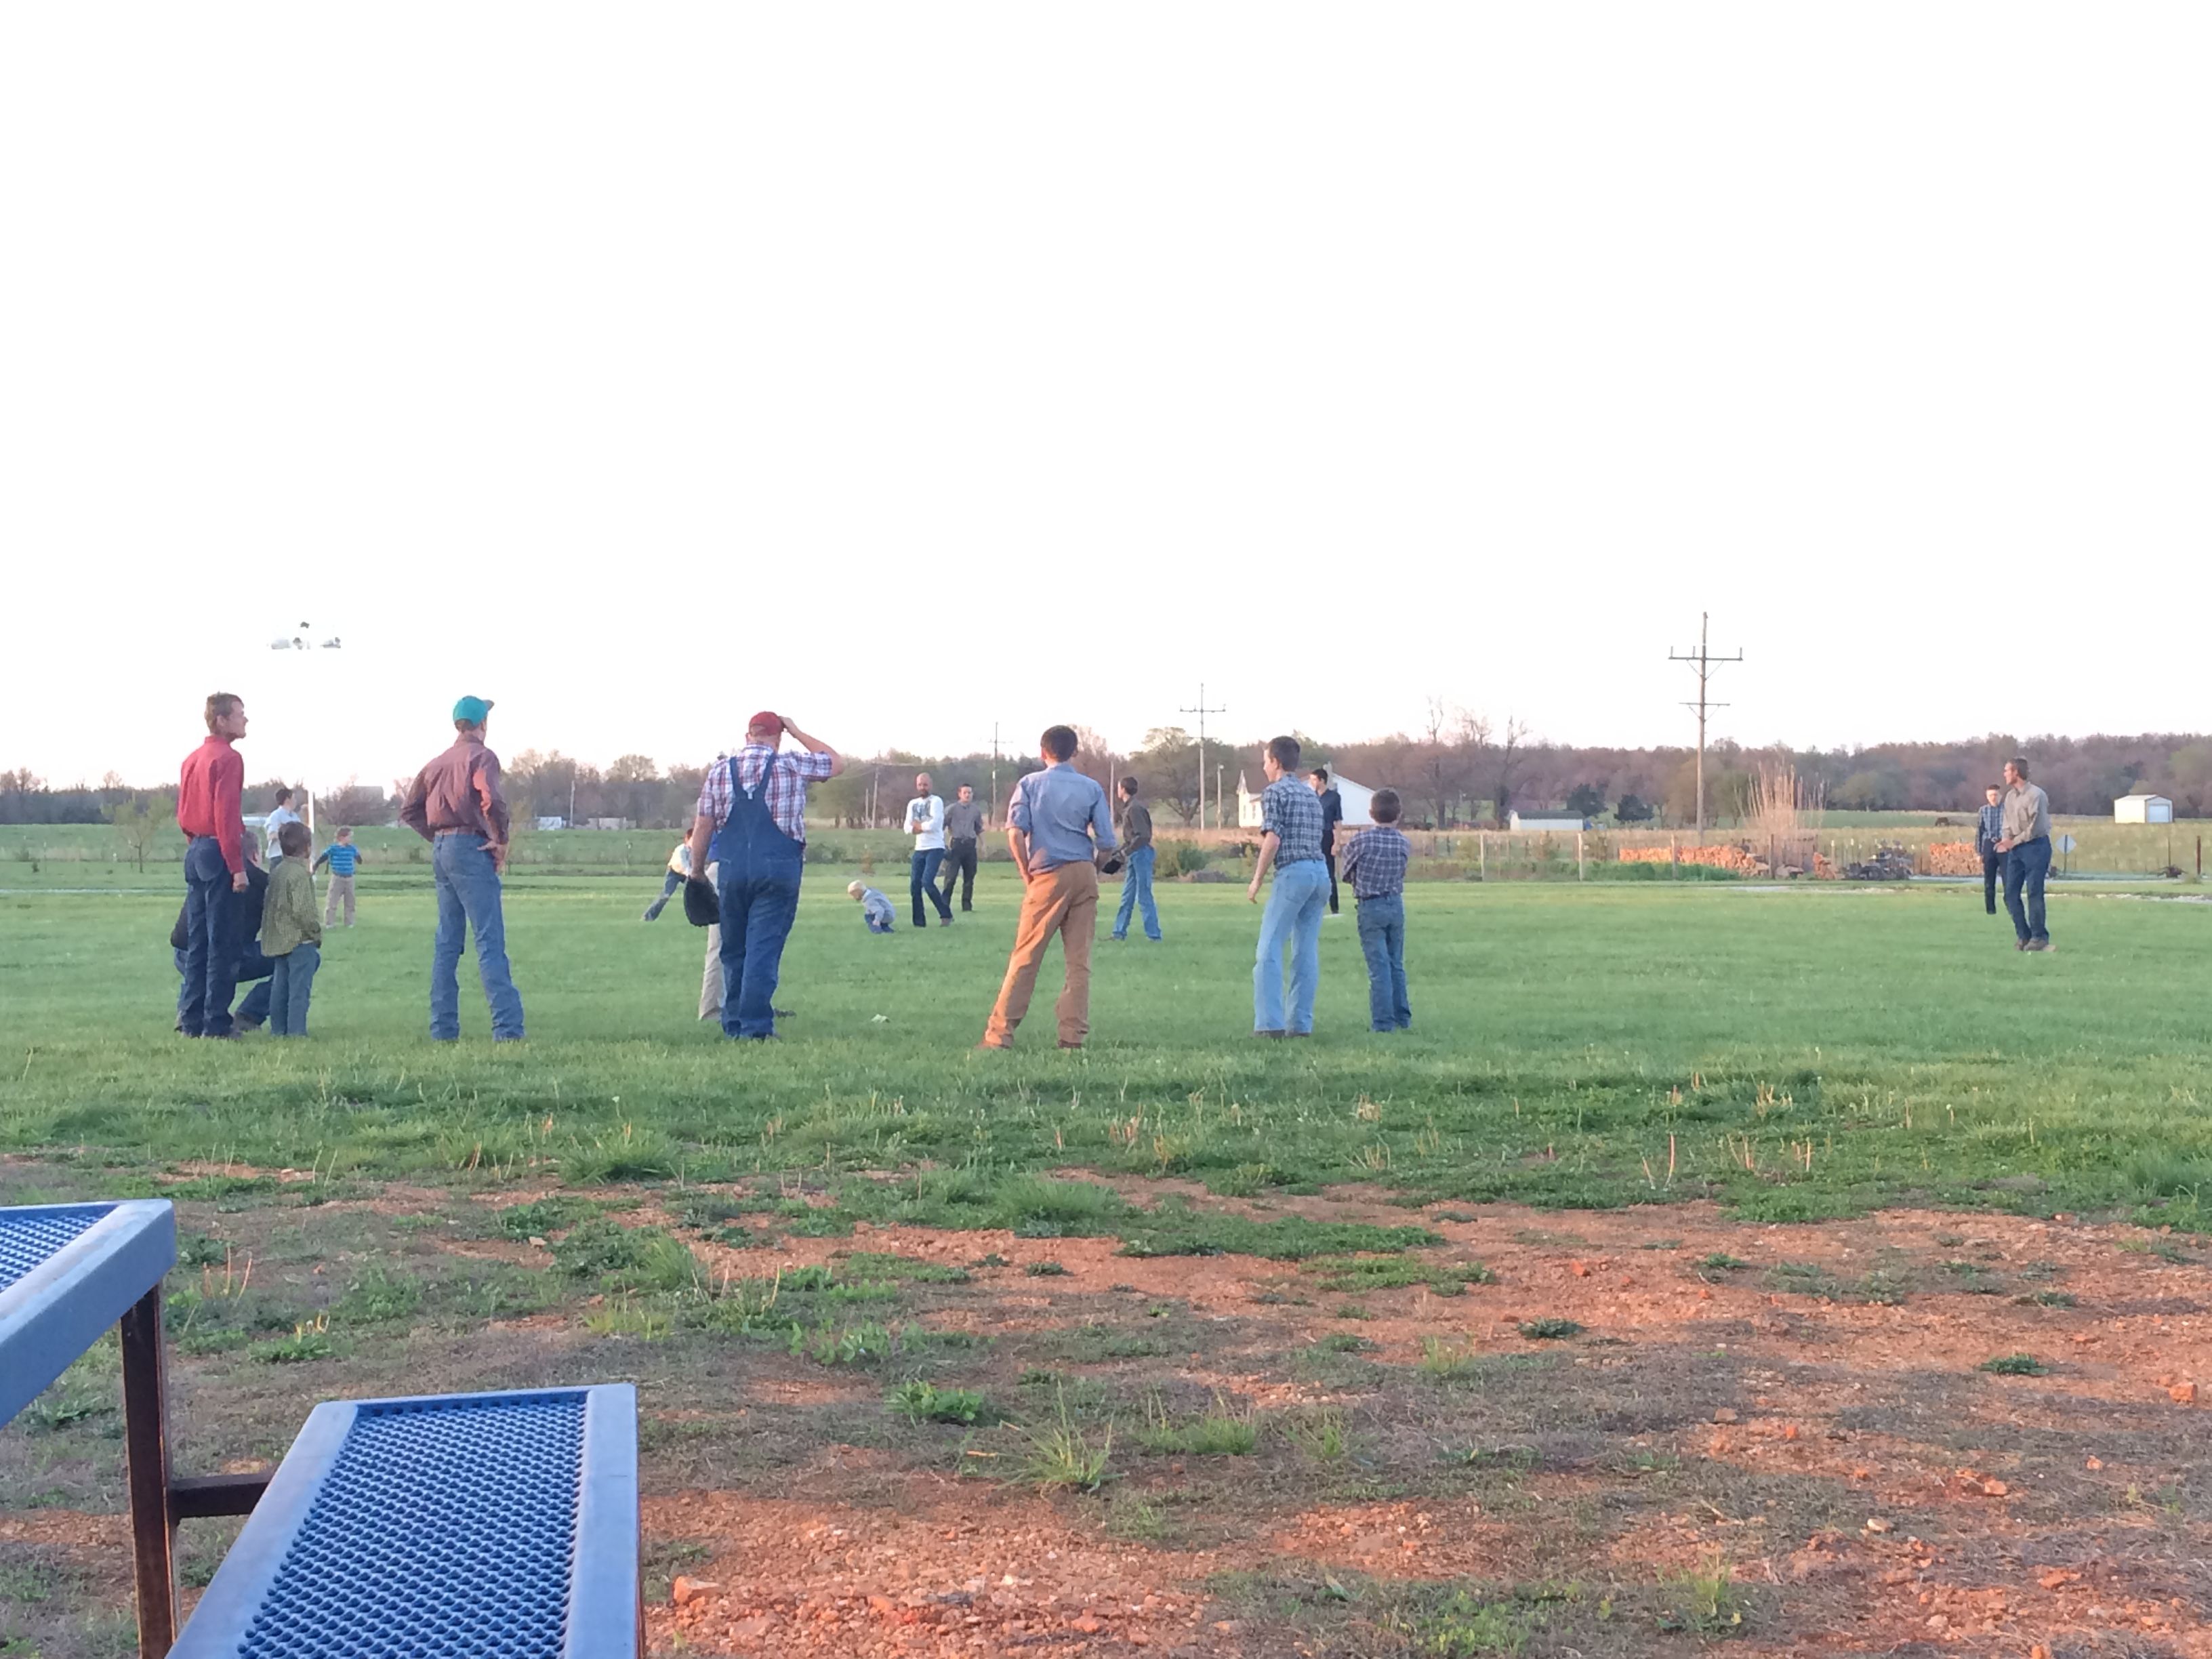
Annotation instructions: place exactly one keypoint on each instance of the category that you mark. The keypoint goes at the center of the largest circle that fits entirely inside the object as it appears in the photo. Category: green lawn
(1797, 1054)
(1329, 1424)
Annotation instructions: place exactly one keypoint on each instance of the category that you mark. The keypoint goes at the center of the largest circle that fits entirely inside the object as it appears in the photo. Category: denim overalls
(760, 871)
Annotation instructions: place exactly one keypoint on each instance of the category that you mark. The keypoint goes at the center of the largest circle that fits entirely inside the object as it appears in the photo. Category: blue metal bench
(67, 1272)
(503, 1525)
(495, 1524)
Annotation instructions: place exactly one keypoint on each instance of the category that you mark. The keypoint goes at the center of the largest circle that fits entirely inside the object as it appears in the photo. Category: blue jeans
(1137, 888)
(758, 906)
(921, 878)
(1295, 907)
(289, 989)
(254, 1008)
(2025, 867)
(468, 901)
(667, 892)
(1382, 937)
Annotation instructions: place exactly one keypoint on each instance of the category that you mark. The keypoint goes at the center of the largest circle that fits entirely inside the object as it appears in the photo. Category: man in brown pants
(1057, 822)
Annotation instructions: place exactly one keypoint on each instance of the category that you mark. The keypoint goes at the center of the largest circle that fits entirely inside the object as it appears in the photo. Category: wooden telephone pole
(1704, 661)
(1202, 711)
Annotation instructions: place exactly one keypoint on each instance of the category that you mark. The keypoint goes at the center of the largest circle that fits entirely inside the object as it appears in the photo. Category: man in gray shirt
(1137, 868)
(1057, 824)
(2026, 849)
(964, 829)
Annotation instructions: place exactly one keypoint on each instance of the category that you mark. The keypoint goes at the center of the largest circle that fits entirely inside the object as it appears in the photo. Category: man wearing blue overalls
(752, 823)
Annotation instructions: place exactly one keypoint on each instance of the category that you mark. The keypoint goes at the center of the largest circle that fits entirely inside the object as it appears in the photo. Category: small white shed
(2142, 808)
(1355, 796)
(1558, 820)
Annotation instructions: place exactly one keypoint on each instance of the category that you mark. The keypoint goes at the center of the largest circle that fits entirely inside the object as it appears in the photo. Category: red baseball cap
(766, 720)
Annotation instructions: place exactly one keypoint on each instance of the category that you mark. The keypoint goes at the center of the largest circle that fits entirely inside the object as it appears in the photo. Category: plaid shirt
(1375, 862)
(1293, 813)
(1992, 829)
(786, 785)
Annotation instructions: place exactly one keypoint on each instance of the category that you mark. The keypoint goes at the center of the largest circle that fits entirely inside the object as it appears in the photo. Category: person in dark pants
(1332, 814)
(1987, 834)
(963, 833)
(455, 803)
(253, 967)
(2026, 848)
(752, 823)
(209, 789)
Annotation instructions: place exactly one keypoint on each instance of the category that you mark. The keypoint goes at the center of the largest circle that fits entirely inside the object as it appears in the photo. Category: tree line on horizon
(1459, 771)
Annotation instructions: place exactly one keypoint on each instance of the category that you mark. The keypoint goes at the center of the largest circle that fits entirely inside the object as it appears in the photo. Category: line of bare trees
(1459, 768)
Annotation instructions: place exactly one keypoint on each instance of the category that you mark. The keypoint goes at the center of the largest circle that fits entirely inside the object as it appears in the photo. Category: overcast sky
(912, 368)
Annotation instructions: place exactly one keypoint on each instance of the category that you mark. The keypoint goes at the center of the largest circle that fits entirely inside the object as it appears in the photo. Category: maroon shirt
(458, 790)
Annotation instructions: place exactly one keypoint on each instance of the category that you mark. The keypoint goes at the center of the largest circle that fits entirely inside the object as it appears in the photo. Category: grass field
(1597, 1314)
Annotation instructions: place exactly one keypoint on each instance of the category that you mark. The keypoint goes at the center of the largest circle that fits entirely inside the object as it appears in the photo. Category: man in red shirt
(208, 792)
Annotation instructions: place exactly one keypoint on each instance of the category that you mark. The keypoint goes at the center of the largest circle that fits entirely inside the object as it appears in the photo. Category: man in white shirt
(279, 815)
(924, 822)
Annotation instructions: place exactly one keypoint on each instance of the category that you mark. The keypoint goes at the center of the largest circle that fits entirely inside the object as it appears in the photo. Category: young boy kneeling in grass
(291, 934)
(875, 909)
(1375, 865)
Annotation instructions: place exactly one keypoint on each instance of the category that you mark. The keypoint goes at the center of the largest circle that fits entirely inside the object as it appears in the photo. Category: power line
(1202, 711)
(1705, 662)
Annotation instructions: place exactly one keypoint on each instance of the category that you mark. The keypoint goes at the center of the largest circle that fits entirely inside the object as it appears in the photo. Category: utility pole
(1202, 711)
(994, 769)
(1704, 661)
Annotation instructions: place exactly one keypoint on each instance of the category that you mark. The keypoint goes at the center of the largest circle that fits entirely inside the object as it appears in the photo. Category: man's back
(1059, 809)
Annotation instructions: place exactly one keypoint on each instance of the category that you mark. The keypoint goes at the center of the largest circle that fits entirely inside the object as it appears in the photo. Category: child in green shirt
(291, 934)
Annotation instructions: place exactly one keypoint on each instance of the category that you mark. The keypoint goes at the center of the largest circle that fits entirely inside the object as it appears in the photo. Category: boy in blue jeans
(291, 933)
(1291, 823)
(1375, 865)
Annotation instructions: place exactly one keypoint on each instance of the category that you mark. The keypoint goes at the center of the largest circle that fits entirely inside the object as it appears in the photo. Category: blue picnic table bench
(492, 1524)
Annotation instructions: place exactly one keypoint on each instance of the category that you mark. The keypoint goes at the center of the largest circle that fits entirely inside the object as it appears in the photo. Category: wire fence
(2100, 848)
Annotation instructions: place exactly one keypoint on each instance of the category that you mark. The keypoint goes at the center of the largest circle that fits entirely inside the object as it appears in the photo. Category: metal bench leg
(146, 1464)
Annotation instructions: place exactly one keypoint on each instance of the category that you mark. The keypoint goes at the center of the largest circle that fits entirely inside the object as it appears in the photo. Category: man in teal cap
(455, 805)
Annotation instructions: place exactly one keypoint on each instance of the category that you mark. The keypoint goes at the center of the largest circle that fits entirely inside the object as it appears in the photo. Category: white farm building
(1354, 795)
(2142, 808)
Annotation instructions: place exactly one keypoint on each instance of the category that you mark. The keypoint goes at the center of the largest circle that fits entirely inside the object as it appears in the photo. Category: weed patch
(918, 1401)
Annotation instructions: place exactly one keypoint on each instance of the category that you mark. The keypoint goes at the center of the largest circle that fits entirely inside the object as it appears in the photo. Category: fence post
(1674, 858)
(1482, 855)
(1579, 873)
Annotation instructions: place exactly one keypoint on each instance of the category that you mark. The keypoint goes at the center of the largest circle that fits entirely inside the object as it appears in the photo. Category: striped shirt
(341, 856)
(786, 785)
(1375, 862)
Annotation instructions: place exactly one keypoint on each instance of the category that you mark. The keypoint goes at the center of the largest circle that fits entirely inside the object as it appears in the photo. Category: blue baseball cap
(470, 711)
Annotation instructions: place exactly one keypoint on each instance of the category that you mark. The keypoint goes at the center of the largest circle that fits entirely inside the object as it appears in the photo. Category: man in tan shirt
(2026, 850)
(455, 805)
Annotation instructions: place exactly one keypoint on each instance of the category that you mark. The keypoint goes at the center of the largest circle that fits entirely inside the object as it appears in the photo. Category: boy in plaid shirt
(1375, 865)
